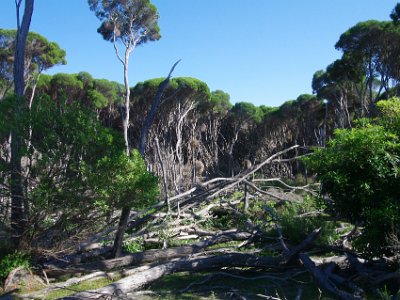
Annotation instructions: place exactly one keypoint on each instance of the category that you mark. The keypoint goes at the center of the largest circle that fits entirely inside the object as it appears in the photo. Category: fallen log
(238, 260)
(132, 283)
(323, 280)
(148, 256)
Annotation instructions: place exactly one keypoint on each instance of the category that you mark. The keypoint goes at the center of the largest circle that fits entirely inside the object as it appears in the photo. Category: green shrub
(12, 261)
(133, 246)
(360, 171)
(296, 228)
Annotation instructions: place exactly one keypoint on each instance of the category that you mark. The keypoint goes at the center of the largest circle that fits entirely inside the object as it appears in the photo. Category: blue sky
(259, 51)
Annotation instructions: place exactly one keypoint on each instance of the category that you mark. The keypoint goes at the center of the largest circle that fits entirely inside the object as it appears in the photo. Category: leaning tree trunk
(123, 221)
(17, 213)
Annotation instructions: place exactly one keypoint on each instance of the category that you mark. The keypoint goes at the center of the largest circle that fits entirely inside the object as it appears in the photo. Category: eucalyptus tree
(17, 212)
(40, 55)
(129, 23)
(373, 46)
(7, 38)
(341, 83)
(395, 15)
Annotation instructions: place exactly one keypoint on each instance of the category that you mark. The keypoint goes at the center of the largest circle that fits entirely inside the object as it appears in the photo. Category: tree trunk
(153, 110)
(123, 221)
(119, 235)
(125, 117)
(17, 213)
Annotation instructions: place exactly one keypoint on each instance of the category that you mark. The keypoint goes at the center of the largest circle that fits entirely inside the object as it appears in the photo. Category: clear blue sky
(260, 51)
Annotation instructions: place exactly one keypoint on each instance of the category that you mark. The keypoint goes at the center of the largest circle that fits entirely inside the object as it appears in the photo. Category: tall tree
(373, 46)
(40, 55)
(17, 212)
(130, 23)
(395, 15)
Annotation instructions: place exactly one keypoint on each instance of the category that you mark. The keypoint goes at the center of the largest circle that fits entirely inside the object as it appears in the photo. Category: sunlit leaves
(359, 170)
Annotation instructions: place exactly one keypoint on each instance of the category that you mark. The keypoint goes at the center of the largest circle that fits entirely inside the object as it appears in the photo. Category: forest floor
(243, 237)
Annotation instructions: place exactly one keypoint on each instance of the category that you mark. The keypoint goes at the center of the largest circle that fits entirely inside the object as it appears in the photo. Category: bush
(359, 170)
(133, 246)
(296, 228)
(12, 261)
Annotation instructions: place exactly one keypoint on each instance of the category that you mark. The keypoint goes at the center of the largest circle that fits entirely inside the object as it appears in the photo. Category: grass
(223, 287)
(83, 286)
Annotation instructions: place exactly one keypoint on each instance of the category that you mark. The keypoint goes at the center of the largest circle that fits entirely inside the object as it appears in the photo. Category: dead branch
(255, 169)
(324, 281)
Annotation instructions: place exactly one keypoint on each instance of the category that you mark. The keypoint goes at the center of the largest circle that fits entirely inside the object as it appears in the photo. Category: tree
(17, 213)
(132, 23)
(40, 55)
(373, 47)
(340, 84)
(395, 15)
(360, 171)
(7, 38)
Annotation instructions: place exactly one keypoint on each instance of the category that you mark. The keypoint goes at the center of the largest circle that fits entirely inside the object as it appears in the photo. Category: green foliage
(133, 246)
(79, 167)
(220, 101)
(123, 20)
(296, 228)
(123, 181)
(67, 139)
(395, 14)
(248, 111)
(97, 98)
(110, 89)
(181, 88)
(40, 55)
(12, 261)
(360, 171)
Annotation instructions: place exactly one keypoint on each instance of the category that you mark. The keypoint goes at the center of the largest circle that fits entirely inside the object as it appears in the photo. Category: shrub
(133, 246)
(359, 170)
(12, 261)
(296, 228)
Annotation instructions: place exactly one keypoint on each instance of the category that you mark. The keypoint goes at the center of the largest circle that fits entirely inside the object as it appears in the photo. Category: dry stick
(75, 280)
(265, 192)
(302, 188)
(267, 161)
(163, 172)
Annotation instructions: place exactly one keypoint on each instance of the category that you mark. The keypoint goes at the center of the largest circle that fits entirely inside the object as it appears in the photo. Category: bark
(17, 213)
(153, 110)
(164, 173)
(119, 235)
(324, 281)
(149, 256)
(125, 117)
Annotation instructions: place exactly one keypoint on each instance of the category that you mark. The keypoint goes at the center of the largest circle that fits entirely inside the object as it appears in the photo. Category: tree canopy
(40, 55)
